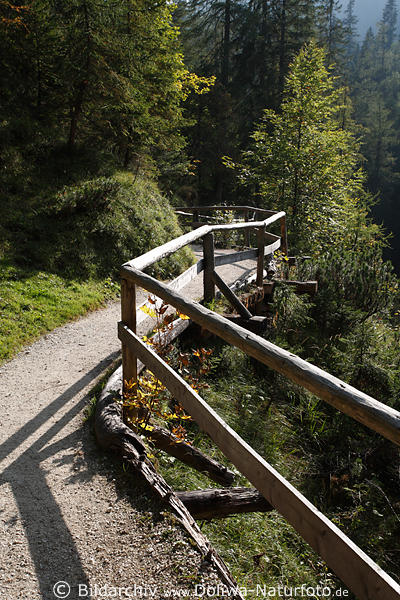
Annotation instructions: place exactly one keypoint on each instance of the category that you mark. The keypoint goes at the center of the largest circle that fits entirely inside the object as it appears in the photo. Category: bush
(89, 229)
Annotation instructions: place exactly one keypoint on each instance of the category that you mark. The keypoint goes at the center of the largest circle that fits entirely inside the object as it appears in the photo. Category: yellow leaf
(182, 316)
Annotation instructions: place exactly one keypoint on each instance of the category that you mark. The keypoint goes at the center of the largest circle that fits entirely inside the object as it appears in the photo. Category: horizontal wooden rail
(252, 254)
(149, 258)
(362, 575)
(365, 409)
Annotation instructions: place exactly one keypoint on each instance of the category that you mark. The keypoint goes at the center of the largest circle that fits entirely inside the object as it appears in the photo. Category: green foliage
(303, 161)
(59, 259)
(108, 79)
(90, 229)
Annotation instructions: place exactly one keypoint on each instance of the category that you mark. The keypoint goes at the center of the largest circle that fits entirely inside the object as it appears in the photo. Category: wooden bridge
(362, 575)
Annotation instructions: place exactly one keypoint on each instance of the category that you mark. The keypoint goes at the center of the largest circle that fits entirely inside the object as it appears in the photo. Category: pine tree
(302, 160)
(350, 23)
(331, 30)
(389, 23)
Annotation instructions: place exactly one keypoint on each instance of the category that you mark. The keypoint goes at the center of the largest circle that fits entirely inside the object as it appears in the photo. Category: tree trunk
(227, 43)
(282, 49)
(77, 104)
(216, 503)
(167, 441)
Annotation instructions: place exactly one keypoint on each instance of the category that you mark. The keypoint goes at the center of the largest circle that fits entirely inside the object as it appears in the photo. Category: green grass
(315, 449)
(33, 303)
(61, 249)
(260, 549)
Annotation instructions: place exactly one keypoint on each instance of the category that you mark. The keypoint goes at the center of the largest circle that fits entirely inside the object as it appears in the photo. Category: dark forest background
(248, 47)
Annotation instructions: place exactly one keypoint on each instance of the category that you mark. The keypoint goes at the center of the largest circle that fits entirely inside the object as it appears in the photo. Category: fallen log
(113, 434)
(257, 324)
(217, 503)
(167, 441)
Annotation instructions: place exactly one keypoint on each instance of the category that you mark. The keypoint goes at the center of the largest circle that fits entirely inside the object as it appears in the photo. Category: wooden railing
(364, 577)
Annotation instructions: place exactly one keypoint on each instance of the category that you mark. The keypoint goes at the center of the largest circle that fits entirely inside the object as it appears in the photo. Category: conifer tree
(303, 161)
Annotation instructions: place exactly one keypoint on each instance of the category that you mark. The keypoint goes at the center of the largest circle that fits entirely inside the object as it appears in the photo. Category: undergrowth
(347, 471)
(61, 250)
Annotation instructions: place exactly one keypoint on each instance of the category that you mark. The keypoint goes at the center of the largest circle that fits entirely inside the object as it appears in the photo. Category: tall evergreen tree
(303, 161)
(389, 22)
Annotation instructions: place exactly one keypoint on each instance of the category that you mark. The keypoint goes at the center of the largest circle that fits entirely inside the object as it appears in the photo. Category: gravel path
(68, 512)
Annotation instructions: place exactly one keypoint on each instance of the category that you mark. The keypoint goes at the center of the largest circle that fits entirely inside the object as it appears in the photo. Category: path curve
(68, 512)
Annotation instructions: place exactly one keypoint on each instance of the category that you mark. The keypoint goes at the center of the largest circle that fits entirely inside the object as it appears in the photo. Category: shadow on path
(52, 548)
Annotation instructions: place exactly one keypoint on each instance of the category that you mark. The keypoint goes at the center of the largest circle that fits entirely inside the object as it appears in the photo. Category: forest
(113, 113)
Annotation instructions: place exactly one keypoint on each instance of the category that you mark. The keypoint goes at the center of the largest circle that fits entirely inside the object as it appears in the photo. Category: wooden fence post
(209, 267)
(128, 317)
(246, 231)
(260, 258)
(195, 218)
(284, 244)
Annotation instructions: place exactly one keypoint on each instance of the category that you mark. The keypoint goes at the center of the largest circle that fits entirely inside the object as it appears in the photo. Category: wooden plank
(186, 277)
(230, 226)
(365, 409)
(268, 250)
(231, 296)
(218, 503)
(361, 574)
(209, 268)
(235, 257)
(145, 260)
(266, 222)
(239, 208)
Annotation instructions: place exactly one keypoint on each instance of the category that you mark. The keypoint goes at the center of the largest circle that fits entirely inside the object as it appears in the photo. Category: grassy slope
(32, 303)
(62, 259)
(294, 434)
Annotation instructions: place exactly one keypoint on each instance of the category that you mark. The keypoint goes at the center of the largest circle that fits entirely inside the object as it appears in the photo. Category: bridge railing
(364, 577)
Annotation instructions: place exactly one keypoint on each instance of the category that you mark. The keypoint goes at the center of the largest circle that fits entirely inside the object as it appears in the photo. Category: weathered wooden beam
(209, 267)
(219, 503)
(231, 296)
(147, 259)
(365, 409)
(188, 454)
(260, 255)
(128, 316)
(359, 572)
(251, 224)
(238, 208)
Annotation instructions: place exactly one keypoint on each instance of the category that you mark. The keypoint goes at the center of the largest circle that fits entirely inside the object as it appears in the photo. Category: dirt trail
(68, 512)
